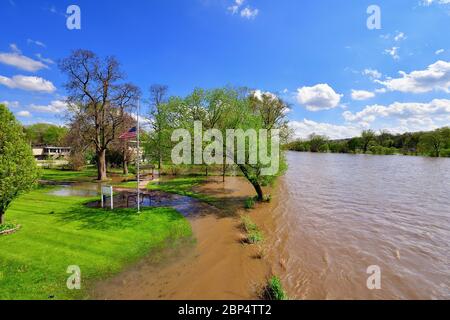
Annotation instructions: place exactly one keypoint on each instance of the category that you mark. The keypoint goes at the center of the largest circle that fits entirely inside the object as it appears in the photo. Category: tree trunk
(125, 167)
(254, 183)
(224, 170)
(101, 165)
(2, 218)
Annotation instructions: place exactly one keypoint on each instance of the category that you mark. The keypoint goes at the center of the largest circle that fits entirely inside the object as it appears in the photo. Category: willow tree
(97, 100)
(18, 171)
(242, 123)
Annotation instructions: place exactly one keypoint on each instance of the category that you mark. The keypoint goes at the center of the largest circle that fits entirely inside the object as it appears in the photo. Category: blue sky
(339, 76)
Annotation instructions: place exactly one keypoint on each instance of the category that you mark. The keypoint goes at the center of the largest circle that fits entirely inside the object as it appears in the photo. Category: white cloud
(303, 129)
(362, 95)
(400, 36)
(36, 42)
(56, 106)
(318, 97)
(406, 112)
(24, 114)
(28, 83)
(435, 77)
(18, 60)
(10, 104)
(248, 12)
(45, 60)
(235, 7)
(259, 93)
(372, 73)
(430, 2)
(438, 52)
(393, 52)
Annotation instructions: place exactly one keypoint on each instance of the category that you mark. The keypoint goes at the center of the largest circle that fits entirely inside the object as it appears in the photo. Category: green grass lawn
(60, 231)
(68, 176)
(88, 174)
(182, 186)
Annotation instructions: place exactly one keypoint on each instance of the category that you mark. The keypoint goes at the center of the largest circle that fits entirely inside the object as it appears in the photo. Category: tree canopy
(18, 170)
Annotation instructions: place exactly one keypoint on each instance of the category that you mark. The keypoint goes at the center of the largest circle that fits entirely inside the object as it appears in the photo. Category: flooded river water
(332, 216)
(336, 215)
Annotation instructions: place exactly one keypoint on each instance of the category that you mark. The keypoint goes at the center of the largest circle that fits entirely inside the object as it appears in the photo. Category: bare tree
(97, 100)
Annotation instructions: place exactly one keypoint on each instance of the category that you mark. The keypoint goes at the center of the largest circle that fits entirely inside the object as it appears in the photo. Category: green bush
(250, 203)
(445, 153)
(273, 290)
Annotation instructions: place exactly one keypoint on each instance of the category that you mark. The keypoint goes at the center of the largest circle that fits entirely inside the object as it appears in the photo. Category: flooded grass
(61, 231)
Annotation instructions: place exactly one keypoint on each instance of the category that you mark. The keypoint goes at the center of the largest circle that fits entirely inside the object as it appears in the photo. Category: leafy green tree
(317, 142)
(18, 170)
(45, 134)
(434, 142)
(367, 137)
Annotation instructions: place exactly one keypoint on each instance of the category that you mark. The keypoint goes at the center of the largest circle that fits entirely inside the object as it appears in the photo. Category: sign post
(138, 158)
(108, 191)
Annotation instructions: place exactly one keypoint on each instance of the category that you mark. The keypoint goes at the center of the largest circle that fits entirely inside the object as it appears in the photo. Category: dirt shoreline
(217, 267)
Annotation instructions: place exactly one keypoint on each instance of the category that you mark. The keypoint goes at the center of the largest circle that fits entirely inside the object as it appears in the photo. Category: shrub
(255, 237)
(273, 290)
(250, 203)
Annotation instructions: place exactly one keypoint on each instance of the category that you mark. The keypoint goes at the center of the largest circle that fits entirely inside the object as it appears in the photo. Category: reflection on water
(339, 214)
(77, 190)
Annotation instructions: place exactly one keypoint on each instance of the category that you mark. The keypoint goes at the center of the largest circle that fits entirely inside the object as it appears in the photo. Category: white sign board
(107, 191)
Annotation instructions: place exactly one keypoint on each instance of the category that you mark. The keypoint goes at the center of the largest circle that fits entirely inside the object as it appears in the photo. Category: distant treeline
(433, 143)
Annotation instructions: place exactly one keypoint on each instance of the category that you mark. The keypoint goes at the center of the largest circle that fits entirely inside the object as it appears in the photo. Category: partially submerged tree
(18, 171)
(97, 100)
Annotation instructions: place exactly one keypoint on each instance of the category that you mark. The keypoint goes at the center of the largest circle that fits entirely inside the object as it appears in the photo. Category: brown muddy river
(336, 215)
(332, 216)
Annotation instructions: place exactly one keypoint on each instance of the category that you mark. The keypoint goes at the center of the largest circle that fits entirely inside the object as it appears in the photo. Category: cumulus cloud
(28, 83)
(410, 116)
(303, 129)
(318, 97)
(440, 51)
(362, 95)
(18, 60)
(435, 77)
(259, 94)
(10, 104)
(24, 114)
(56, 106)
(372, 73)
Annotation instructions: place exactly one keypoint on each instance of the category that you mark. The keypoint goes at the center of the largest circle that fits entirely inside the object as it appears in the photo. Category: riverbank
(219, 266)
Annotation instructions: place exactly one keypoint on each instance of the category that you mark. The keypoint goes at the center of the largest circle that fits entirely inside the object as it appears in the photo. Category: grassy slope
(59, 231)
